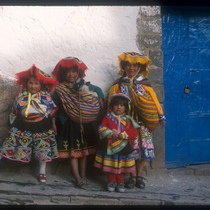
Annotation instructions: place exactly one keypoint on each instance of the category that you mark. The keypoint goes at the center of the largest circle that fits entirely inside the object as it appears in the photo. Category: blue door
(186, 50)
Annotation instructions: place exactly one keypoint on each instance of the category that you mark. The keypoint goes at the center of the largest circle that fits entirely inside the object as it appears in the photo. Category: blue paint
(185, 46)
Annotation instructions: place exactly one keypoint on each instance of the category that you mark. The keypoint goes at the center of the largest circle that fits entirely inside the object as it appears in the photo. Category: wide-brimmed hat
(47, 81)
(133, 57)
(67, 63)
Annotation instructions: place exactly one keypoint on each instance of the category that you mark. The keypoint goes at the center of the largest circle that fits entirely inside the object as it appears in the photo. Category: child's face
(131, 69)
(33, 85)
(119, 109)
(71, 75)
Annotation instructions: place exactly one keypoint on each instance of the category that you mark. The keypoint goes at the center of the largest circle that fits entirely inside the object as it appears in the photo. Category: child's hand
(114, 135)
(54, 126)
(54, 129)
(120, 136)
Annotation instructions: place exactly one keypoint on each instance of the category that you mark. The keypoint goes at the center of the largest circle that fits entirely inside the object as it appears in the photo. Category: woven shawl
(147, 105)
(76, 105)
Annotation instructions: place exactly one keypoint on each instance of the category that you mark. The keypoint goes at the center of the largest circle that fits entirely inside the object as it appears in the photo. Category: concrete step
(197, 170)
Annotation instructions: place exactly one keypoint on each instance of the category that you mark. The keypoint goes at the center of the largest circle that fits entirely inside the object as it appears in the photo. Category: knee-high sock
(42, 168)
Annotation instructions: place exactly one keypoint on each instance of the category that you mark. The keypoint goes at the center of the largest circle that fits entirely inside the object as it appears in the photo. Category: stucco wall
(44, 35)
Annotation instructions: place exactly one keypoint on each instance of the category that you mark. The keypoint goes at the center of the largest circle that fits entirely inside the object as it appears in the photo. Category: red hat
(67, 63)
(48, 82)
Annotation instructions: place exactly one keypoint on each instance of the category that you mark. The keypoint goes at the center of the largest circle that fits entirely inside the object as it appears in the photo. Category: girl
(31, 128)
(117, 131)
(146, 109)
(73, 124)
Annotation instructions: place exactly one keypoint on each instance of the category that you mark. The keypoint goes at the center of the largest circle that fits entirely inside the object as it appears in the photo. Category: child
(145, 109)
(74, 121)
(31, 128)
(117, 131)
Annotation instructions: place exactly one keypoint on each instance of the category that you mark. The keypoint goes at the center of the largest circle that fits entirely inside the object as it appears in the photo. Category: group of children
(63, 126)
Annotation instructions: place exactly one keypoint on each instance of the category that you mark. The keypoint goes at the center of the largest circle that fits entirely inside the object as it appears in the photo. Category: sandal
(131, 183)
(87, 181)
(140, 183)
(81, 182)
(42, 178)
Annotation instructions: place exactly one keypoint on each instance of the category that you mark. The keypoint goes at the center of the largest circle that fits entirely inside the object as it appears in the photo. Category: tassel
(28, 105)
(81, 126)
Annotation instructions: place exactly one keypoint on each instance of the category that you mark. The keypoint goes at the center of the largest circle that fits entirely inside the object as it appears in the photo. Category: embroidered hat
(134, 57)
(67, 63)
(121, 95)
(47, 81)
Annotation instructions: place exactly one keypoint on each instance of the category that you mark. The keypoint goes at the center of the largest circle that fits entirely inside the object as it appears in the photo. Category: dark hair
(117, 100)
(63, 71)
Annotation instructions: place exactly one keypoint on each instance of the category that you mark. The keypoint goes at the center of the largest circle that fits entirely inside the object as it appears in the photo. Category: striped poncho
(143, 98)
(76, 105)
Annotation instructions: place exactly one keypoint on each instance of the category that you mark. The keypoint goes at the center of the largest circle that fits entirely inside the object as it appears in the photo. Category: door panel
(186, 49)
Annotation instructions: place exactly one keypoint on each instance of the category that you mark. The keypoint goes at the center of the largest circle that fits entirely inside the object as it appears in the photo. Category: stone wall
(149, 40)
(8, 90)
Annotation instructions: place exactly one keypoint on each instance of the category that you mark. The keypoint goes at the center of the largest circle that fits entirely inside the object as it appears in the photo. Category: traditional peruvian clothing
(146, 109)
(31, 127)
(76, 133)
(115, 155)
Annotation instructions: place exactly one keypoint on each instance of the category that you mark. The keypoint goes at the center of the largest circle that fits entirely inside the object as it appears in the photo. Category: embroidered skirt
(143, 148)
(122, 162)
(26, 139)
(72, 143)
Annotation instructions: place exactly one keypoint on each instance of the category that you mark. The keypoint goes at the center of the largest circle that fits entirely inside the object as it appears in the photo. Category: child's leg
(139, 179)
(74, 165)
(75, 168)
(42, 168)
(83, 164)
(120, 183)
(111, 177)
(140, 167)
(120, 178)
(42, 172)
(112, 182)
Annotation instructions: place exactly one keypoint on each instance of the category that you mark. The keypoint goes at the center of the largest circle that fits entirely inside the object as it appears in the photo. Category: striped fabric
(146, 104)
(146, 109)
(78, 106)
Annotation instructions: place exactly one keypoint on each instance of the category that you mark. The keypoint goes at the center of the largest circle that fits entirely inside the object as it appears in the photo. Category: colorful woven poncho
(22, 101)
(75, 104)
(121, 123)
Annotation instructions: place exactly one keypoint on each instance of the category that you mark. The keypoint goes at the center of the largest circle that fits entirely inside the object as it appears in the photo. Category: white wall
(44, 35)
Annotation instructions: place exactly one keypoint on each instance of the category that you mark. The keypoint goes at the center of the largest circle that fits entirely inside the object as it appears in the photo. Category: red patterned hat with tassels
(67, 63)
(47, 81)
